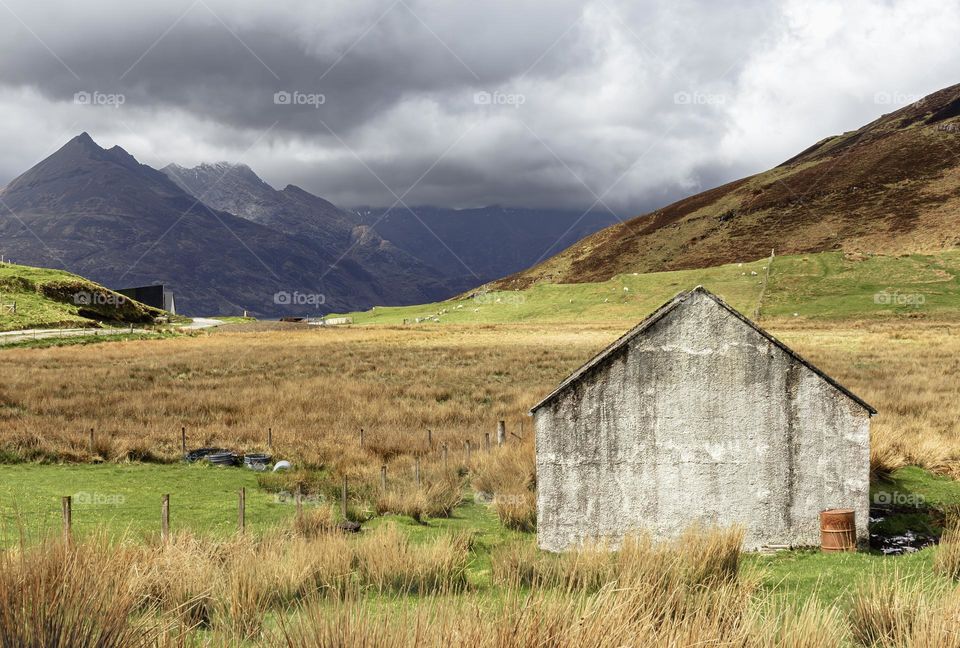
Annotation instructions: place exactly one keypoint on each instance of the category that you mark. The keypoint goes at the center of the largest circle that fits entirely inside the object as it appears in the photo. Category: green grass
(929, 489)
(48, 298)
(822, 286)
(79, 340)
(125, 499)
(802, 574)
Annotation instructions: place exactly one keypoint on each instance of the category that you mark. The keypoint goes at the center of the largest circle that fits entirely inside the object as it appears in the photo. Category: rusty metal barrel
(838, 530)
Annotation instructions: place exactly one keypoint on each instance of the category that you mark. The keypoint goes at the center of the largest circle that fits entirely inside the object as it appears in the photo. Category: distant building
(332, 321)
(697, 415)
(157, 296)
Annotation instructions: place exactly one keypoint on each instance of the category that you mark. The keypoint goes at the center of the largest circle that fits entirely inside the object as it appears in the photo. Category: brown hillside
(891, 187)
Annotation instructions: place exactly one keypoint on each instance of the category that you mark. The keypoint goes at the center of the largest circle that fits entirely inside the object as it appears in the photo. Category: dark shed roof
(601, 358)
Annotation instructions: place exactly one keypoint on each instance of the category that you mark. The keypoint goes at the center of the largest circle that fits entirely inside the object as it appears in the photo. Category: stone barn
(697, 415)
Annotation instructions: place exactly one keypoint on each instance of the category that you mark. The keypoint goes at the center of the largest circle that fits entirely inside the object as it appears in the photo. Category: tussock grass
(887, 609)
(436, 496)
(947, 561)
(66, 597)
(382, 589)
(698, 557)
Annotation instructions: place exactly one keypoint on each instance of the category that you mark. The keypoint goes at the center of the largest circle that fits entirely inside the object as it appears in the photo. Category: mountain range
(891, 187)
(226, 241)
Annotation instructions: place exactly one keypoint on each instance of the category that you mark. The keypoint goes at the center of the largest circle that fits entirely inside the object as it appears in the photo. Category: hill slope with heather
(891, 187)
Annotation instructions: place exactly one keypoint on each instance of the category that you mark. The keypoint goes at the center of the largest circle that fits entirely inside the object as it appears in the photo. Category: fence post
(165, 518)
(486, 442)
(501, 432)
(361, 437)
(343, 498)
(270, 437)
(429, 438)
(383, 477)
(242, 512)
(467, 444)
(66, 504)
(183, 439)
(417, 470)
(444, 456)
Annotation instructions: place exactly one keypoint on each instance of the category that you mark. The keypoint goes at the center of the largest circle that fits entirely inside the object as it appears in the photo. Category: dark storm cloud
(547, 103)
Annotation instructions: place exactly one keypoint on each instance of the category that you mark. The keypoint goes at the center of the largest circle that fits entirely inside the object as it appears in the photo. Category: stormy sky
(621, 105)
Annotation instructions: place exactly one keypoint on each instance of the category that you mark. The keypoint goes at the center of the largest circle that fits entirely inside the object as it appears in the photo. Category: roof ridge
(662, 312)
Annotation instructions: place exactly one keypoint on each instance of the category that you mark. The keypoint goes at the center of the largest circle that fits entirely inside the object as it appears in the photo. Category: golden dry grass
(317, 388)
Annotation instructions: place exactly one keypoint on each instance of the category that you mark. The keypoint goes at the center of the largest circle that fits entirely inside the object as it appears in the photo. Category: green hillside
(827, 285)
(42, 298)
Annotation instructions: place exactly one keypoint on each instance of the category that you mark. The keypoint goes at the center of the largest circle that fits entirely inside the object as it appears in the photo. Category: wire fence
(85, 514)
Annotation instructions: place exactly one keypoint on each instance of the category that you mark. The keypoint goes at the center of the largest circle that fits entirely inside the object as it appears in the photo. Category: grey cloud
(642, 102)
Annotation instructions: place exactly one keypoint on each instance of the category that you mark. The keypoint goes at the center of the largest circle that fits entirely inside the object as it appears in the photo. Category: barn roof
(601, 358)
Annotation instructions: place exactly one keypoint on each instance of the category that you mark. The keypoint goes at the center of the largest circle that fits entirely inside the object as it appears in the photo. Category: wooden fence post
(501, 432)
(486, 442)
(416, 468)
(66, 504)
(242, 511)
(165, 518)
(343, 498)
(361, 437)
(270, 437)
(383, 477)
(429, 438)
(183, 439)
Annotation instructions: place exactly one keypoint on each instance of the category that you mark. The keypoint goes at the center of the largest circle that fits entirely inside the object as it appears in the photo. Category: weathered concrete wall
(699, 419)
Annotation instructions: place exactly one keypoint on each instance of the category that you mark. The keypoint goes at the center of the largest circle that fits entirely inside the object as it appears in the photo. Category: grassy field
(125, 499)
(317, 387)
(454, 555)
(821, 286)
